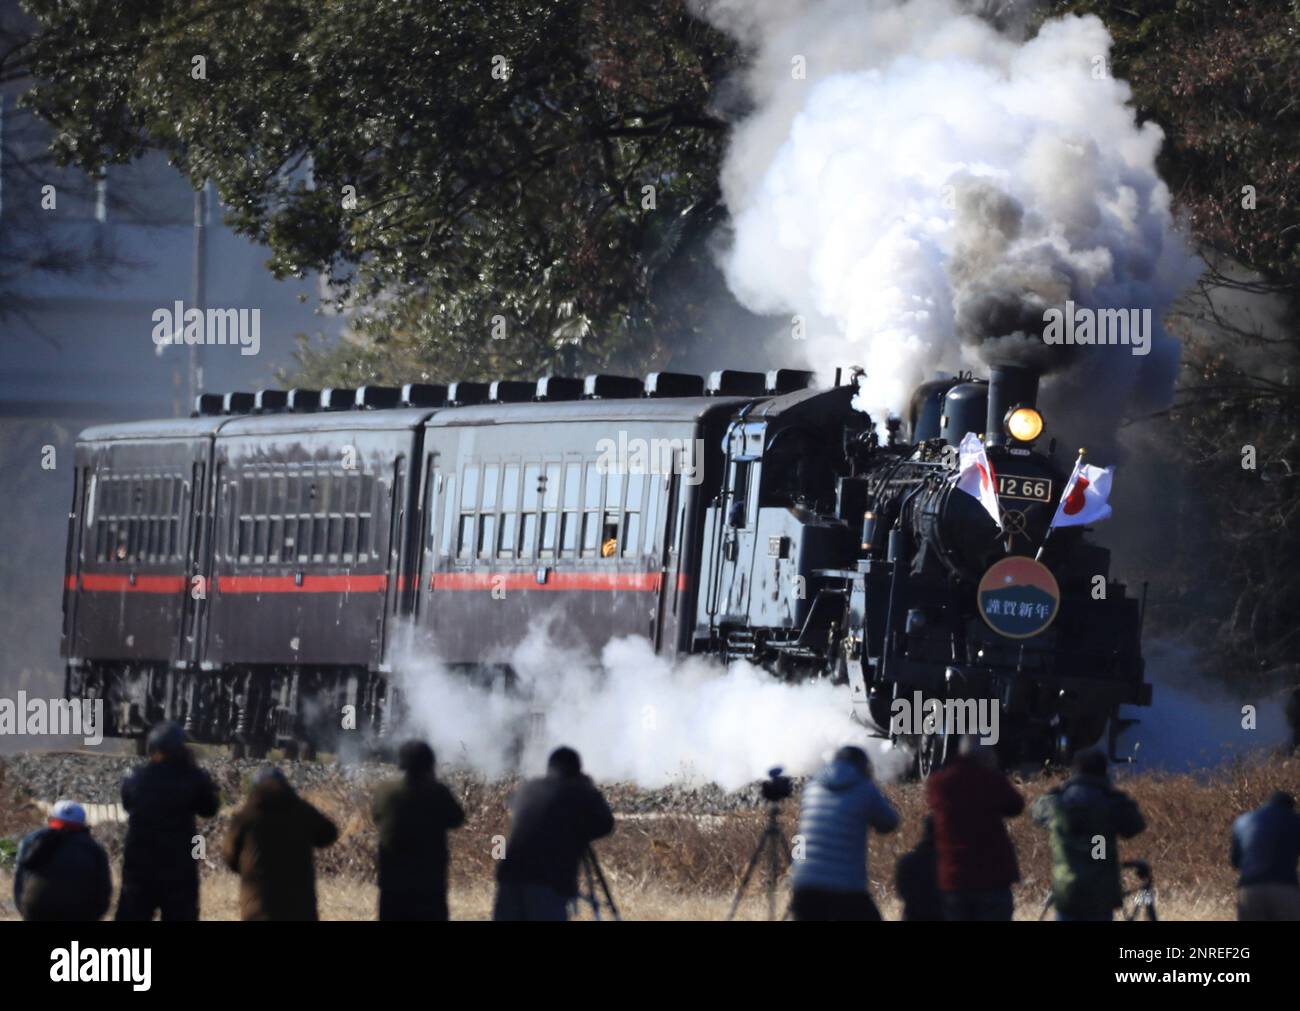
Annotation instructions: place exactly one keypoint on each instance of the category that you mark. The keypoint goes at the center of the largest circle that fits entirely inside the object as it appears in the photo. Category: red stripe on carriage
(309, 584)
(102, 582)
(640, 582)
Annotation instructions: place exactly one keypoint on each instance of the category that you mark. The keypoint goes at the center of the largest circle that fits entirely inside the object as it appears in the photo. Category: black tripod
(773, 844)
(593, 876)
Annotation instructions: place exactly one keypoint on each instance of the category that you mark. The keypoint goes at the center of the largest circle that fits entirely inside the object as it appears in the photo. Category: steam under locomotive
(256, 570)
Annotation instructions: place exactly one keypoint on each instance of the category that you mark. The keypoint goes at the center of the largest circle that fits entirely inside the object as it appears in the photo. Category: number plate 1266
(1035, 489)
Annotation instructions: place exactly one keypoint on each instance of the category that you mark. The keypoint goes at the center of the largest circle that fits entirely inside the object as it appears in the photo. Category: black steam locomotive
(257, 570)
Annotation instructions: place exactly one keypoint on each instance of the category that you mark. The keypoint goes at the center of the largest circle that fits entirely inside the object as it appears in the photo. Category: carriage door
(664, 530)
(82, 489)
(428, 531)
(198, 562)
(396, 537)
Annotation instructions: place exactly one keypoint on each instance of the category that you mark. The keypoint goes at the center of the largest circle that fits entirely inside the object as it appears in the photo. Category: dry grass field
(677, 866)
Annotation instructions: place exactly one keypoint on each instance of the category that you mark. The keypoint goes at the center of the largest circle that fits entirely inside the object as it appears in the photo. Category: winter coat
(1266, 845)
(61, 874)
(916, 879)
(1085, 868)
(970, 803)
(553, 821)
(269, 845)
(412, 816)
(161, 800)
(838, 806)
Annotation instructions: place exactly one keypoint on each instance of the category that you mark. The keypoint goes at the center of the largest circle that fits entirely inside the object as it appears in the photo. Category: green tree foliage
(472, 175)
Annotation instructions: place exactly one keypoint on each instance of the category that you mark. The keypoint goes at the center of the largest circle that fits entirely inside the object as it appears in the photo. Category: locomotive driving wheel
(931, 753)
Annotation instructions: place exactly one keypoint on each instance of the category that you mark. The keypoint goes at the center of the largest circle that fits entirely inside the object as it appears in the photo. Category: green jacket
(1084, 817)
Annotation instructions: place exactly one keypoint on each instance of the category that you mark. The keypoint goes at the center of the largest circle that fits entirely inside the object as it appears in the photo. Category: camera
(776, 787)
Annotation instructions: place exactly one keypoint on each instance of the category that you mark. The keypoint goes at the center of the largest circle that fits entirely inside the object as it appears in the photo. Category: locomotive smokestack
(1009, 386)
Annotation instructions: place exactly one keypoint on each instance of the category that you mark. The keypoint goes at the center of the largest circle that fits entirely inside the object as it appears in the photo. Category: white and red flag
(1084, 498)
(976, 478)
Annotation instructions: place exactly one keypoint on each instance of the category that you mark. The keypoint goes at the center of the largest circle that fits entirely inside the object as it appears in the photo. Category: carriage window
(652, 514)
(468, 502)
(632, 523)
(465, 544)
(486, 530)
(447, 514)
(572, 500)
(490, 474)
(550, 503)
(509, 519)
(592, 512)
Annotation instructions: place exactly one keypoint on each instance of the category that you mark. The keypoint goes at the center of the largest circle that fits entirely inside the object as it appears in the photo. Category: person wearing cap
(413, 815)
(970, 799)
(839, 805)
(1085, 817)
(553, 821)
(1265, 850)
(270, 846)
(162, 798)
(61, 872)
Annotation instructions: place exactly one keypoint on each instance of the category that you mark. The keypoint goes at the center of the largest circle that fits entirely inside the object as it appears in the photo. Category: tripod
(591, 873)
(773, 844)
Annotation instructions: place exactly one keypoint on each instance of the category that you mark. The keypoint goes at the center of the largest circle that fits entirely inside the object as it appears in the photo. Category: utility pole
(199, 294)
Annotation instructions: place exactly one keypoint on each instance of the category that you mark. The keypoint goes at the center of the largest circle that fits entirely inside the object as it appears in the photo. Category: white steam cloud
(632, 715)
(932, 184)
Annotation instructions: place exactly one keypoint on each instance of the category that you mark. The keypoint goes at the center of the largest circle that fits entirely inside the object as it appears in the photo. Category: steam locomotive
(258, 570)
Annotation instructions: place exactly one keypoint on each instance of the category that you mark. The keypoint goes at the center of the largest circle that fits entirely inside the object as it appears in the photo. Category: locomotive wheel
(238, 749)
(291, 750)
(307, 749)
(931, 753)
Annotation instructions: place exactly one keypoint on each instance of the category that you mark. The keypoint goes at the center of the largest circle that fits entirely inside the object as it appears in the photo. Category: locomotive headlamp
(1024, 424)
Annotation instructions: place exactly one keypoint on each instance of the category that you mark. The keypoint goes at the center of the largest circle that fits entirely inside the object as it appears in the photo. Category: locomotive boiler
(266, 565)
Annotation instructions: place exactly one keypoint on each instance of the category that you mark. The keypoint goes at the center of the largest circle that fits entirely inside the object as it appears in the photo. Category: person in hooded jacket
(1265, 849)
(1084, 818)
(413, 815)
(971, 799)
(837, 809)
(61, 873)
(161, 799)
(269, 845)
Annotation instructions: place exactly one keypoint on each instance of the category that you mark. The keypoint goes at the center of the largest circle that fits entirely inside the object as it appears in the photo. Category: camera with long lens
(776, 787)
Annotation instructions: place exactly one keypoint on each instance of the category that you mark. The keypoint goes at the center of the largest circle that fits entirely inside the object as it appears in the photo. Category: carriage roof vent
(511, 391)
(462, 394)
(208, 405)
(237, 403)
(607, 387)
(424, 395)
(266, 401)
(674, 384)
(377, 396)
(731, 383)
(788, 380)
(558, 388)
(303, 401)
(338, 398)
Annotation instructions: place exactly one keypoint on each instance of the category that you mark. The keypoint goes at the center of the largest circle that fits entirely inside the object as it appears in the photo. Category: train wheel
(308, 750)
(238, 749)
(291, 750)
(931, 753)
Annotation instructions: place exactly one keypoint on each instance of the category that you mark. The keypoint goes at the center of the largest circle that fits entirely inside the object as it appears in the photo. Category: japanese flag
(1084, 498)
(976, 478)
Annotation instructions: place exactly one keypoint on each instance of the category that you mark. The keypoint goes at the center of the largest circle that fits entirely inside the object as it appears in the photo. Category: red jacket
(969, 802)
